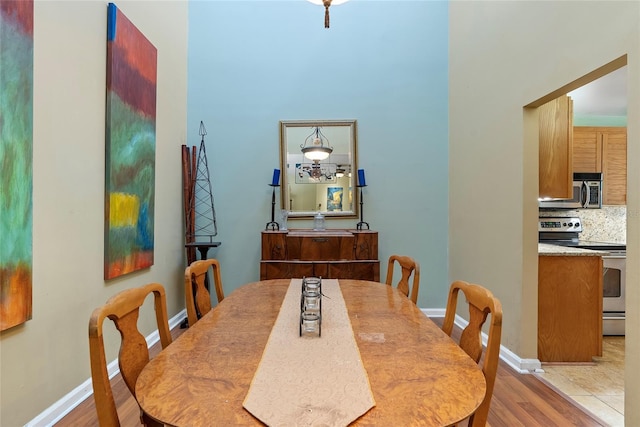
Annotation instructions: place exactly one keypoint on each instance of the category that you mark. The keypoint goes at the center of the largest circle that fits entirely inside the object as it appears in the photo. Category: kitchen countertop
(545, 249)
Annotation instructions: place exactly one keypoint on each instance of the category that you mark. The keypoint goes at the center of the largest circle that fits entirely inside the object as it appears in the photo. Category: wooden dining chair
(123, 309)
(482, 303)
(408, 265)
(198, 299)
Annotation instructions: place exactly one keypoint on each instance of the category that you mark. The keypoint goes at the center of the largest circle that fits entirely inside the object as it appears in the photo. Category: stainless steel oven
(614, 289)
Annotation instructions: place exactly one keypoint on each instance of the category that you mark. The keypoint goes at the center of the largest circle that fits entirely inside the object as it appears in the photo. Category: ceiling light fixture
(326, 4)
(316, 146)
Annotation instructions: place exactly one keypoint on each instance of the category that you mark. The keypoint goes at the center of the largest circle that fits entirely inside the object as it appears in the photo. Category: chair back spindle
(124, 309)
(409, 266)
(198, 298)
(482, 304)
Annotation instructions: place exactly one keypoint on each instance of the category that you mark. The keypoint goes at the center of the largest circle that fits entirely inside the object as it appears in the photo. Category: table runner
(310, 380)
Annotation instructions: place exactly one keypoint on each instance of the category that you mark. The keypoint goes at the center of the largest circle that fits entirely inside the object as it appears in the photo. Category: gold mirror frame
(307, 188)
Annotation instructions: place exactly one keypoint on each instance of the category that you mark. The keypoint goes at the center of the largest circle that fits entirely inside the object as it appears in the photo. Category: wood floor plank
(519, 400)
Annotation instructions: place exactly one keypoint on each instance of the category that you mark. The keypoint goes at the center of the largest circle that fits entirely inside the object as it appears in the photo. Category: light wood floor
(598, 387)
(518, 400)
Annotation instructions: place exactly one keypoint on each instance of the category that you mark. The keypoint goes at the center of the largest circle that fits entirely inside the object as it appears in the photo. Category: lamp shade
(314, 147)
(316, 153)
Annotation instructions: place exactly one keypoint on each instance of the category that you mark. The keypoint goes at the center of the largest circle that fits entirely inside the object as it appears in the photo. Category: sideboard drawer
(363, 270)
(285, 270)
(320, 248)
(360, 270)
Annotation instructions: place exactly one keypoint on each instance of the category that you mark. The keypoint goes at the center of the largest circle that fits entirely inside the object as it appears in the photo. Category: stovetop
(565, 231)
(585, 244)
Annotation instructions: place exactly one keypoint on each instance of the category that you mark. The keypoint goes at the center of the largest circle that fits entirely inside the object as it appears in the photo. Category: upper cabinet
(603, 149)
(556, 148)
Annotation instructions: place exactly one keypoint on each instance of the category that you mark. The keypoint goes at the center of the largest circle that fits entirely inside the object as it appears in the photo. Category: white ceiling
(606, 96)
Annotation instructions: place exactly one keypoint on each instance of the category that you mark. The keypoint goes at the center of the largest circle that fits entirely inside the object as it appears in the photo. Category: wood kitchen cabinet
(331, 254)
(569, 308)
(555, 120)
(603, 149)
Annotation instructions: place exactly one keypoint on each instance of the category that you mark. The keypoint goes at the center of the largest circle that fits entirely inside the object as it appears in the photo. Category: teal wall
(383, 63)
(614, 121)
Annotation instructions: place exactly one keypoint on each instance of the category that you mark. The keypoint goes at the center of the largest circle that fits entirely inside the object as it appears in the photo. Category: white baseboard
(67, 403)
(523, 366)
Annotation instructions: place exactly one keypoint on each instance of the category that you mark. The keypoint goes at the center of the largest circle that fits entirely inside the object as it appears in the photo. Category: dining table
(417, 374)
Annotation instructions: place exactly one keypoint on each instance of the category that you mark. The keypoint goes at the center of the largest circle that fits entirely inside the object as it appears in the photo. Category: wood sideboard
(331, 254)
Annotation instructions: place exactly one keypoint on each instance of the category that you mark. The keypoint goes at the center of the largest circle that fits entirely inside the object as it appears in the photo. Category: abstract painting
(130, 147)
(16, 160)
(334, 198)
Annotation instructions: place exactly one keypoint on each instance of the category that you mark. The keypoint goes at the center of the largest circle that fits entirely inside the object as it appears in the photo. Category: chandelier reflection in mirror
(316, 147)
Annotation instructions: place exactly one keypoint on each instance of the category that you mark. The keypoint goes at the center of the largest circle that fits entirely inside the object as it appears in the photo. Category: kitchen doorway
(599, 99)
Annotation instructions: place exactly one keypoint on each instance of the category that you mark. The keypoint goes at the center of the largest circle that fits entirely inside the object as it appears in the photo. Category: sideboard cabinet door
(274, 245)
(366, 246)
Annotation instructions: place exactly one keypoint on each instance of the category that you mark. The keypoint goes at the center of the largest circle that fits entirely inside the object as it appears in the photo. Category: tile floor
(599, 388)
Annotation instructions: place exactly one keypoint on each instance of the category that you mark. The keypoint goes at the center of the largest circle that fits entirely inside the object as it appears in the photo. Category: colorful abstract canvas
(334, 198)
(16, 160)
(130, 147)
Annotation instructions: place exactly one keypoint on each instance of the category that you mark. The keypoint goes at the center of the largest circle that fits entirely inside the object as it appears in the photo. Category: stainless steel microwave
(587, 193)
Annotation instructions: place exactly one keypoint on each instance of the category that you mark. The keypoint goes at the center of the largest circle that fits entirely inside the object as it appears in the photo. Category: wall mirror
(318, 163)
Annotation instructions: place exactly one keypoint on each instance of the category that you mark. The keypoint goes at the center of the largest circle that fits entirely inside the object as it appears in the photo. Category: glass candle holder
(311, 283)
(311, 301)
(309, 323)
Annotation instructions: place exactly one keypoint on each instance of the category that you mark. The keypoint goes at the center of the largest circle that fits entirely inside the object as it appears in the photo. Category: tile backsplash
(608, 224)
